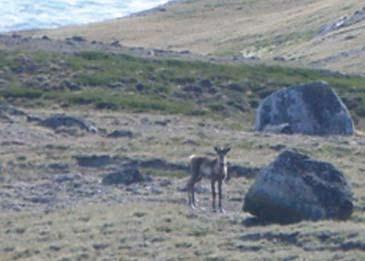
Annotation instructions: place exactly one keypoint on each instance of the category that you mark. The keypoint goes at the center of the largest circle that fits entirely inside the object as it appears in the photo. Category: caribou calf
(213, 169)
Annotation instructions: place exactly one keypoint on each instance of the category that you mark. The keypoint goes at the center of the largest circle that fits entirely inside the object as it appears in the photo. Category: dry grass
(266, 29)
(165, 231)
(89, 221)
(150, 226)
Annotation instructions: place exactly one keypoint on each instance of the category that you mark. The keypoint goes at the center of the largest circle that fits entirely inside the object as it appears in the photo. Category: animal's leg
(193, 180)
(190, 189)
(193, 195)
(212, 183)
(220, 196)
(195, 200)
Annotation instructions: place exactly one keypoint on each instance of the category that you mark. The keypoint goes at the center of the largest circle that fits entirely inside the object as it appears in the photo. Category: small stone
(165, 183)
(121, 134)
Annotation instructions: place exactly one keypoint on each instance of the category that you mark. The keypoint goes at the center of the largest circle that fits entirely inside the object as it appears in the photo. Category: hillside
(72, 112)
(74, 73)
(305, 33)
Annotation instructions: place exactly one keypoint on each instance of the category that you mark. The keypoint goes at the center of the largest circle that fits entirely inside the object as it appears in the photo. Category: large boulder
(312, 109)
(295, 187)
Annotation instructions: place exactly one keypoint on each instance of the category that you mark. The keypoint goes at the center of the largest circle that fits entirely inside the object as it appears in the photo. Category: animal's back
(201, 166)
(196, 161)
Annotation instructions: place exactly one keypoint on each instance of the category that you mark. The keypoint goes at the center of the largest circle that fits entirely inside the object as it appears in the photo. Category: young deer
(214, 169)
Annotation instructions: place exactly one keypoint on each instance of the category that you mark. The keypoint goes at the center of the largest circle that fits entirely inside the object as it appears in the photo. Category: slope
(323, 34)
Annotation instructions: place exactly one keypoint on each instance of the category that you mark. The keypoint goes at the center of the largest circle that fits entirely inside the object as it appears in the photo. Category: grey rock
(59, 166)
(34, 118)
(140, 87)
(162, 122)
(353, 245)
(40, 199)
(155, 190)
(126, 176)
(165, 183)
(345, 21)
(121, 134)
(116, 44)
(26, 65)
(279, 59)
(78, 38)
(100, 246)
(206, 83)
(312, 109)
(71, 85)
(61, 178)
(193, 89)
(278, 147)
(295, 187)
(60, 120)
(94, 161)
(240, 171)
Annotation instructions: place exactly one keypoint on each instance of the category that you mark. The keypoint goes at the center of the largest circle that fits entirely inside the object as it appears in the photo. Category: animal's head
(221, 156)
(221, 153)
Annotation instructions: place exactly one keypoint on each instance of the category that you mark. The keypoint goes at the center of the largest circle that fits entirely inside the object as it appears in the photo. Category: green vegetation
(122, 82)
(20, 92)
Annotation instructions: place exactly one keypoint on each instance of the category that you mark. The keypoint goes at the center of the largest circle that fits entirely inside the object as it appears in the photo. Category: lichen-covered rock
(312, 109)
(295, 187)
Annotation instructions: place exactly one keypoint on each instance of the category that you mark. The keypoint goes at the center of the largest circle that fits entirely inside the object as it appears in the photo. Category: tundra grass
(123, 82)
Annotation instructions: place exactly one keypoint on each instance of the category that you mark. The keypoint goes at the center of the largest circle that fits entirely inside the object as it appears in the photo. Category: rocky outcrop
(59, 121)
(344, 21)
(312, 109)
(295, 187)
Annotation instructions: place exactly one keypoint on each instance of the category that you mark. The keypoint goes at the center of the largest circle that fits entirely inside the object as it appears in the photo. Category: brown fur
(213, 169)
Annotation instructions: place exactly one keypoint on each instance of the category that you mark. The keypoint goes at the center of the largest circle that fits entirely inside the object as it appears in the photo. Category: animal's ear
(227, 150)
(216, 149)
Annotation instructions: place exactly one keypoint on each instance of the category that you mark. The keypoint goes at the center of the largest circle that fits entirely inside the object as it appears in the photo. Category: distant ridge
(326, 34)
